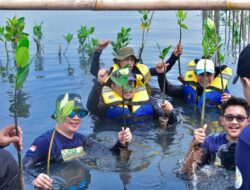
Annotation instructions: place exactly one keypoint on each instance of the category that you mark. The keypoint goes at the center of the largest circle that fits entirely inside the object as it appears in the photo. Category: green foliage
(37, 31)
(2, 34)
(14, 31)
(68, 37)
(120, 78)
(181, 15)
(122, 40)
(22, 62)
(209, 40)
(90, 47)
(236, 33)
(84, 33)
(64, 108)
(145, 20)
(164, 52)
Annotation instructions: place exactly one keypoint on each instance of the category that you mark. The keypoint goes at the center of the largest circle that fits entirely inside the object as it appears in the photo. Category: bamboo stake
(125, 4)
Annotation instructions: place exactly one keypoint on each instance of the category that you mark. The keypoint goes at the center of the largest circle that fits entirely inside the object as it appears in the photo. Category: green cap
(125, 52)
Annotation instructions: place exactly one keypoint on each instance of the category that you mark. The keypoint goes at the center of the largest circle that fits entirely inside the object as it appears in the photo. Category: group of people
(109, 100)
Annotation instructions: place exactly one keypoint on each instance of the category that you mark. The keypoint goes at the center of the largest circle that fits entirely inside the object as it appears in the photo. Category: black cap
(243, 68)
(77, 100)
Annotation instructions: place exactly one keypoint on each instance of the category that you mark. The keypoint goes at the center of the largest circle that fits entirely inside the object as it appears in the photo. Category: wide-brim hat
(124, 53)
(243, 67)
(200, 67)
(77, 103)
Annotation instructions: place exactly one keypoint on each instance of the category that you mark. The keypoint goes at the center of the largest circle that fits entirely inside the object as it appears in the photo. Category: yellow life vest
(142, 78)
(111, 98)
(191, 77)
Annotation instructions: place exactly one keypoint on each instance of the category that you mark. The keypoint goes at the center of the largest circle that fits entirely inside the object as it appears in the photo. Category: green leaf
(184, 16)
(67, 108)
(145, 16)
(184, 26)
(166, 50)
(210, 24)
(21, 77)
(22, 56)
(64, 101)
(23, 43)
(180, 12)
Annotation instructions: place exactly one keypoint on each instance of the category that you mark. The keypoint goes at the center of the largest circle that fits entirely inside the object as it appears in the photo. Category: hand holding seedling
(199, 135)
(43, 181)
(178, 50)
(161, 67)
(125, 136)
(167, 107)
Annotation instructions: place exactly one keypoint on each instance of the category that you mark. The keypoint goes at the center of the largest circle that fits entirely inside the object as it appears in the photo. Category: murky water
(156, 154)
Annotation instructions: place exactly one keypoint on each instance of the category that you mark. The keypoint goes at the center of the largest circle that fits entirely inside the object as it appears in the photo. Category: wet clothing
(211, 146)
(149, 109)
(63, 149)
(193, 94)
(9, 178)
(95, 65)
(242, 178)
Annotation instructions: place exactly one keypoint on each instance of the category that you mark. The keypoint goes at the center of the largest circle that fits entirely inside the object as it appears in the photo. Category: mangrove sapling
(68, 38)
(63, 109)
(38, 35)
(120, 78)
(145, 26)
(123, 39)
(181, 16)
(84, 35)
(209, 48)
(22, 70)
(90, 47)
(163, 53)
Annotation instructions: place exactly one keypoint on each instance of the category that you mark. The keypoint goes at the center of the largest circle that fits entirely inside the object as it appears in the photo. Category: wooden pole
(125, 4)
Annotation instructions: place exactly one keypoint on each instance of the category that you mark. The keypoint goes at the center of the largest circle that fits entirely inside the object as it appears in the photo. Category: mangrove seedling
(162, 55)
(120, 77)
(123, 38)
(14, 31)
(84, 35)
(38, 36)
(63, 109)
(90, 47)
(181, 16)
(22, 70)
(146, 20)
(68, 38)
(209, 48)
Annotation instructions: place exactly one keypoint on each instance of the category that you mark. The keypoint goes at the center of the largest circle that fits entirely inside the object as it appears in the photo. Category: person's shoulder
(79, 136)
(43, 138)
(216, 138)
(245, 133)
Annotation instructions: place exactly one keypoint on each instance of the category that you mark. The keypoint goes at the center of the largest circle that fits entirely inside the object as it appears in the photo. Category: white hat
(201, 64)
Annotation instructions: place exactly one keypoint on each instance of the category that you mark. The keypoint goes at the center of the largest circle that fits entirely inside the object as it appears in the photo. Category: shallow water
(156, 154)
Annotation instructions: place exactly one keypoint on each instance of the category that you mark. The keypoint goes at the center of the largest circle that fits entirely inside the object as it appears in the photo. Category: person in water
(193, 83)
(107, 102)
(68, 143)
(218, 148)
(9, 178)
(242, 177)
(125, 56)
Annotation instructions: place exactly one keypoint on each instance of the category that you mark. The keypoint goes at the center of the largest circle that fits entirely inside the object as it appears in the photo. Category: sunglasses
(79, 113)
(239, 118)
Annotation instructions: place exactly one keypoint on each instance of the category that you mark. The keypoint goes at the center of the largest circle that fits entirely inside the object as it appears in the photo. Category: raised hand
(125, 136)
(199, 135)
(102, 45)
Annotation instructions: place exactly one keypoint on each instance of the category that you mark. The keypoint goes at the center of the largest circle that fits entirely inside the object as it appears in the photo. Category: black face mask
(227, 155)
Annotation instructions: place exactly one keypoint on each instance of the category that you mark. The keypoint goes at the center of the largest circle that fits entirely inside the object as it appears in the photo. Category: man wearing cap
(192, 88)
(107, 102)
(68, 143)
(242, 177)
(125, 56)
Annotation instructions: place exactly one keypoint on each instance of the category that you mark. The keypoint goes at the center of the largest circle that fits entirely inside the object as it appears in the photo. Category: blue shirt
(211, 146)
(63, 148)
(242, 177)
